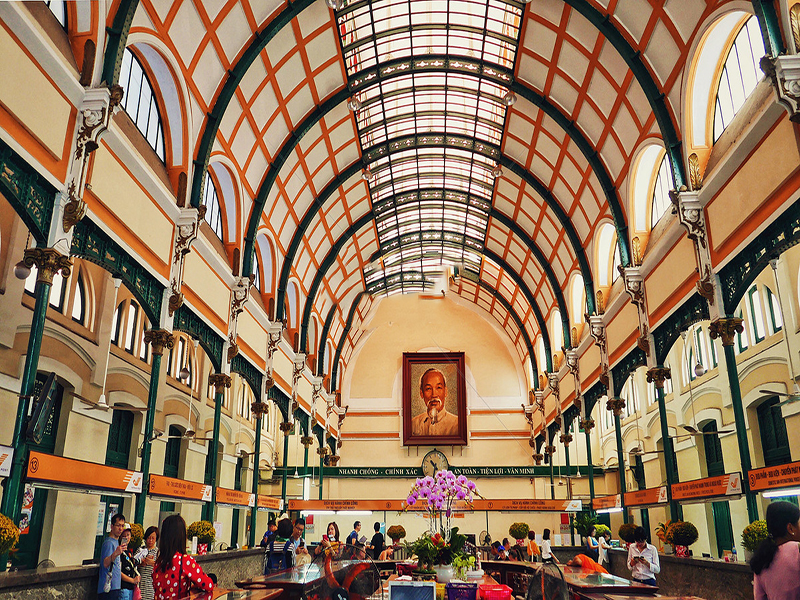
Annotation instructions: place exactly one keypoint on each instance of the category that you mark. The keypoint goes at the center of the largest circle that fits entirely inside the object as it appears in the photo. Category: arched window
(607, 255)
(211, 202)
(775, 318)
(257, 273)
(144, 347)
(291, 308)
(78, 302)
(59, 10)
(556, 330)
(117, 324)
(577, 305)
(140, 103)
(130, 326)
(740, 75)
(541, 355)
(58, 292)
(661, 202)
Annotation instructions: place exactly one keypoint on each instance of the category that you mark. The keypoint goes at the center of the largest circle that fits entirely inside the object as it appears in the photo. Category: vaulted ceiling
(380, 143)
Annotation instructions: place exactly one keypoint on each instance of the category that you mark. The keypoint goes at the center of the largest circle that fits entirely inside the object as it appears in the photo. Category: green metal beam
(621, 460)
(187, 321)
(322, 349)
(116, 40)
(770, 26)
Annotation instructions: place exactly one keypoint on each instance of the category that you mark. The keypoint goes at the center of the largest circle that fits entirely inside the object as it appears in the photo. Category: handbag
(137, 593)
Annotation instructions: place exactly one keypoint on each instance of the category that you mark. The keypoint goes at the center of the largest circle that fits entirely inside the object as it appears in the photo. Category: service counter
(81, 581)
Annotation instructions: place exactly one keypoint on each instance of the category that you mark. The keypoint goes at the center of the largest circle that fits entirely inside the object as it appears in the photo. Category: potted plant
(9, 534)
(137, 537)
(441, 495)
(752, 536)
(519, 531)
(682, 534)
(205, 534)
(602, 529)
(584, 523)
(661, 534)
(396, 533)
(626, 532)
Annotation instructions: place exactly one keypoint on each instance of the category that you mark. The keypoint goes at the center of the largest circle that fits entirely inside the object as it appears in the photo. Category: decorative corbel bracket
(274, 333)
(187, 226)
(692, 216)
(539, 401)
(297, 373)
(240, 291)
(784, 73)
(93, 119)
(634, 286)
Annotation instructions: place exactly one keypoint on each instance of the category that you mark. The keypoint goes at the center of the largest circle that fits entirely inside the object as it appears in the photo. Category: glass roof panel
(430, 137)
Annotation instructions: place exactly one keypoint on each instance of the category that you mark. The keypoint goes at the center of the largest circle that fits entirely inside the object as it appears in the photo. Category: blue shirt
(109, 546)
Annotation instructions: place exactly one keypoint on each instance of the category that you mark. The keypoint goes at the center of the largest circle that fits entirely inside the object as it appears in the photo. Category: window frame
(756, 314)
(162, 153)
(79, 295)
(211, 200)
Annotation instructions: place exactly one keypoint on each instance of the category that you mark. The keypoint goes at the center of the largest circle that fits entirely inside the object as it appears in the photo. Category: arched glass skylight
(740, 75)
(211, 202)
(140, 103)
(661, 202)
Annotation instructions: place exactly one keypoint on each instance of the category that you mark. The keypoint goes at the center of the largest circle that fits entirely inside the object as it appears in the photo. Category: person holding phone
(329, 540)
(643, 559)
(110, 581)
(128, 573)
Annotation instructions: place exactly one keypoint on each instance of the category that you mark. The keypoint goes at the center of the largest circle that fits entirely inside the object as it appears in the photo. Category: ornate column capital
(220, 381)
(306, 440)
(159, 340)
(586, 424)
(725, 328)
(259, 408)
(550, 450)
(48, 261)
(615, 405)
(566, 438)
(658, 375)
(333, 460)
(323, 451)
(286, 427)
(784, 73)
(537, 458)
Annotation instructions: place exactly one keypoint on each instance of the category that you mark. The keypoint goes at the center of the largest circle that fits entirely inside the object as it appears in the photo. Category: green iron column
(306, 440)
(259, 409)
(48, 262)
(159, 340)
(550, 450)
(322, 451)
(220, 381)
(621, 460)
(587, 425)
(726, 328)
(657, 376)
(286, 427)
(566, 438)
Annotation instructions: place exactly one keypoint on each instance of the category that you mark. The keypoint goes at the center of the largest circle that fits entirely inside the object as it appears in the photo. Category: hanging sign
(6, 456)
(523, 504)
(646, 497)
(779, 476)
(82, 475)
(169, 487)
(268, 503)
(710, 487)
(613, 501)
(235, 497)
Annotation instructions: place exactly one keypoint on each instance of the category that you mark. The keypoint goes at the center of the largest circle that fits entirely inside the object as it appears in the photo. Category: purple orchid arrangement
(441, 492)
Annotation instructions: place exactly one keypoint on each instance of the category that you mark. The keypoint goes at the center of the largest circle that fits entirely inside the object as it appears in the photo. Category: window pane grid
(140, 103)
(213, 212)
(740, 75)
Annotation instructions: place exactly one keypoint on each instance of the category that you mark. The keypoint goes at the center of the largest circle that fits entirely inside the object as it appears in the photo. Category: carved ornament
(538, 458)
(286, 427)
(259, 409)
(159, 340)
(615, 405)
(306, 440)
(784, 73)
(550, 449)
(323, 451)
(658, 375)
(220, 381)
(726, 329)
(565, 438)
(586, 424)
(48, 262)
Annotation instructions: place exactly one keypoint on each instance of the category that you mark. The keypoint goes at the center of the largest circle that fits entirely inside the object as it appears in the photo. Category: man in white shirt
(643, 559)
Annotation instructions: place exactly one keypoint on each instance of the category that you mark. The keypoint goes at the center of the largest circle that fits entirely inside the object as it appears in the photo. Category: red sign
(710, 487)
(268, 502)
(770, 478)
(646, 497)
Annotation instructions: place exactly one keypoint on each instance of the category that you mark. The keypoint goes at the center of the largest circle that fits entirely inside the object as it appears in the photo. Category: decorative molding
(615, 405)
(240, 292)
(48, 261)
(159, 340)
(726, 329)
(691, 215)
(658, 375)
(634, 286)
(187, 227)
(784, 73)
(220, 381)
(597, 329)
(94, 117)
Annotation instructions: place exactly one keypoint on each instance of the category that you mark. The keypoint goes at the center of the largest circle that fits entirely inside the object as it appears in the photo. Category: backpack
(279, 560)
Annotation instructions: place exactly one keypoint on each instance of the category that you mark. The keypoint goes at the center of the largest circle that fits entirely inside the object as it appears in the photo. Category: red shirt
(167, 584)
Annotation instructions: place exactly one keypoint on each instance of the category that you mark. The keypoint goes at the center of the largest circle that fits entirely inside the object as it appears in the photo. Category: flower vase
(681, 551)
(444, 573)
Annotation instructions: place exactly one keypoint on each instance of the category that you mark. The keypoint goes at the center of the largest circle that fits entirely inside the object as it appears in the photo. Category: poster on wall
(27, 508)
(434, 399)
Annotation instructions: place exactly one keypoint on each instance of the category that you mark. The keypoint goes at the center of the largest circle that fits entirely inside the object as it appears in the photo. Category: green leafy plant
(137, 537)
(519, 531)
(682, 533)
(661, 531)
(203, 530)
(754, 534)
(584, 522)
(9, 534)
(436, 550)
(602, 529)
(396, 532)
(462, 564)
(626, 532)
